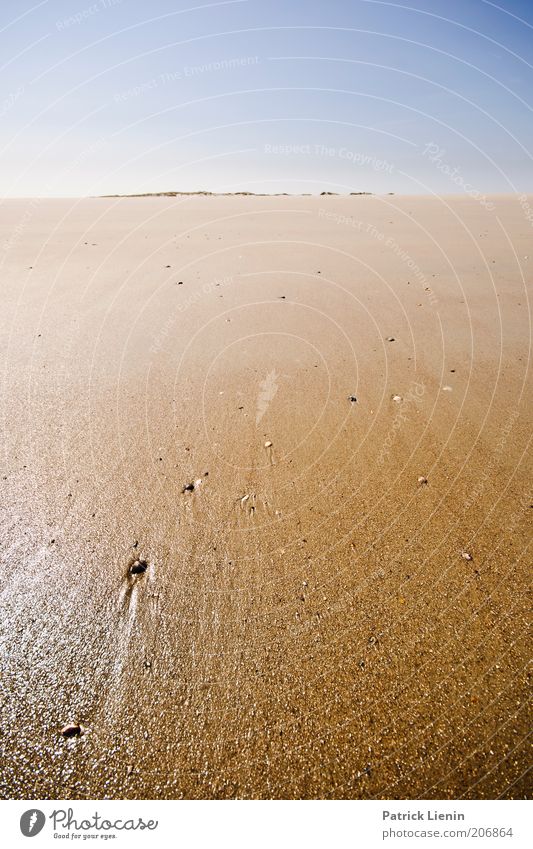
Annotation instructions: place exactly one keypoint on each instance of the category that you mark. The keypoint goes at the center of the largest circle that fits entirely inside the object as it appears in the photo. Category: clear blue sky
(124, 96)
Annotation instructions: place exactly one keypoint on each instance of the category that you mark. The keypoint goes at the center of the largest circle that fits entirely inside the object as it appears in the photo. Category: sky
(300, 96)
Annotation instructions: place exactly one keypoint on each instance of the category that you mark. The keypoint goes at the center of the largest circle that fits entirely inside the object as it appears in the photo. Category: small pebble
(391, 339)
(422, 479)
(466, 556)
(190, 487)
(139, 567)
(352, 399)
(73, 729)
(397, 398)
(268, 444)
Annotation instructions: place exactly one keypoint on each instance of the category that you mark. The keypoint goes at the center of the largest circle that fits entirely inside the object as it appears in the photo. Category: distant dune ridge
(228, 194)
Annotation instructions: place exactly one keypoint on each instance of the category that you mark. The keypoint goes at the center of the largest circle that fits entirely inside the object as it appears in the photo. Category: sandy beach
(307, 419)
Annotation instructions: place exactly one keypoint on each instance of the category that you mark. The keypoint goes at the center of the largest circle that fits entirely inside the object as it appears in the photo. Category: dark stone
(139, 567)
(73, 729)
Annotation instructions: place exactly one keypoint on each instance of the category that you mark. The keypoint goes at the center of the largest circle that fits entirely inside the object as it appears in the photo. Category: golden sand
(308, 418)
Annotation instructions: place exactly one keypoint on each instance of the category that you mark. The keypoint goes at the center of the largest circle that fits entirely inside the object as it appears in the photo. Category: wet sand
(308, 624)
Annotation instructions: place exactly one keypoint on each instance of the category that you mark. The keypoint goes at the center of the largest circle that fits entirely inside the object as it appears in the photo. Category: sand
(308, 624)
